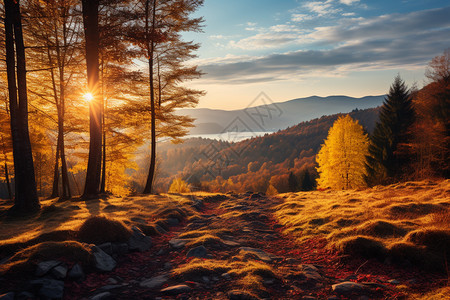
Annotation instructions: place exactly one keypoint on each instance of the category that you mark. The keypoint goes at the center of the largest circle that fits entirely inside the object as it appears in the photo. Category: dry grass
(23, 263)
(409, 221)
(249, 275)
(57, 230)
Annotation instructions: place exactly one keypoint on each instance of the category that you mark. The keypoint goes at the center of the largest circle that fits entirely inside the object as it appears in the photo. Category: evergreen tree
(306, 181)
(387, 157)
(343, 156)
(293, 183)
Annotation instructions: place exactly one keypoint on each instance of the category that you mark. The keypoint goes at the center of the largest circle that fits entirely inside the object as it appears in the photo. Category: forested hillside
(251, 164)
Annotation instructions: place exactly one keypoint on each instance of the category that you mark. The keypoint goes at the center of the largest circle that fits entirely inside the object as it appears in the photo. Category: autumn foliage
(342, 157)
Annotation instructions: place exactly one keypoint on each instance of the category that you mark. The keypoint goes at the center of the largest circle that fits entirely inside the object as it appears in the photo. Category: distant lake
(231, 136)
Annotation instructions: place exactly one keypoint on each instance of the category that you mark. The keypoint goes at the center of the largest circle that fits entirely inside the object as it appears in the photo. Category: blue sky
(290, 49)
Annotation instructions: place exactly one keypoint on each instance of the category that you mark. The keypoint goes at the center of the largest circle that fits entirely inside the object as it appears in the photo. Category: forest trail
(234, 249)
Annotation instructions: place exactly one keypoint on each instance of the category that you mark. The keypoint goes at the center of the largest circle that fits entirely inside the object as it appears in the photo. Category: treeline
(103, 78)
(410, 140)
(284, 160)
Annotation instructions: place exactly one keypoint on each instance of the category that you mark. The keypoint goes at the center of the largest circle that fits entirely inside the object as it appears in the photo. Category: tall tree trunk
(103, 181)
(151, 50)
(8, 185)
(26, 199)
(93, 172)
(55, 185)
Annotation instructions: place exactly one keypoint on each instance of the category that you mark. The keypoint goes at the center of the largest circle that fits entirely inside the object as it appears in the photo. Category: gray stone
(348, 287)
(394, 281)
(102, 261)
(45, 266)
(311, 272)
(107, 248)
(333, 298)
(112, 281)
(176, 289)
(177, 243)
(230, 243)
(102, 296)
(49, 288)
(226, 276)
(206, 279)
(139, 241)
(154, 282)
(120, 248)
(25, 296)
(199, 251)
(261, 254)
(173, 221)
(76, 272)
(109, 287)
(7, 296)
(59, 272)
(160, 229)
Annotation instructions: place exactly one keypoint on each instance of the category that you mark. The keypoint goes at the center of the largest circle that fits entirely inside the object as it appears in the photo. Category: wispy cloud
(385, 42)
(348, 2)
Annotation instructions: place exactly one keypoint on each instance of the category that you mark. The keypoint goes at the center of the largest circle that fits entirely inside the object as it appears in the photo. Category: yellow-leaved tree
(342, 157)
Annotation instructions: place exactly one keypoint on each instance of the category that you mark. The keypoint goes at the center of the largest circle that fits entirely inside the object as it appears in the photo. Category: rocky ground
(233, 249)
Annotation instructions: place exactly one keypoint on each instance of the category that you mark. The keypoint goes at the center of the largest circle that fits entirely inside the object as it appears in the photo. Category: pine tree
(343, 156)
(293, 183)
(387, 157)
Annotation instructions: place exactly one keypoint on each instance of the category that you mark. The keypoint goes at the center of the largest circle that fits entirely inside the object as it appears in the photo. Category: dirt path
(235, 250)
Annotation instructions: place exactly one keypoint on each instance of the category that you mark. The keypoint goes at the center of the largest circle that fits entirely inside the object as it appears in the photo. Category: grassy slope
(405, 222)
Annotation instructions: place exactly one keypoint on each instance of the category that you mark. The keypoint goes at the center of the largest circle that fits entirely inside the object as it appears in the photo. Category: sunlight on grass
(374, 222)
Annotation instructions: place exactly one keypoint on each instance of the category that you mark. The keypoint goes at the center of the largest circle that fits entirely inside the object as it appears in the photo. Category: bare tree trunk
(93, 172)
(55, 185)
(26, 198)
(8, 186)
(150, 38)
(103, 181)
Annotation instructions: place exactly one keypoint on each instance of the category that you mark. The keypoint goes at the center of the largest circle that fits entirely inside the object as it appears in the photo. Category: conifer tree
(343, 156)
(387, 160)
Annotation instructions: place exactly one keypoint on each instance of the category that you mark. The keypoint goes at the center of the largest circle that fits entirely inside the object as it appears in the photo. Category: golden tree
(342, 157)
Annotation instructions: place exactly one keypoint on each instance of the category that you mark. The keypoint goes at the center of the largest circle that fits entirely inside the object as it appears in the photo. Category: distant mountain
(275, 116)
(252, 163)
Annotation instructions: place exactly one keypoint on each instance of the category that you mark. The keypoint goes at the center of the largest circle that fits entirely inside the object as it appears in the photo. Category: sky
(292, 48)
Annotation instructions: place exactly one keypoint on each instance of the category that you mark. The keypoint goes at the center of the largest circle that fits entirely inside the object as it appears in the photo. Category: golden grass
(410, 219)
(249, 275)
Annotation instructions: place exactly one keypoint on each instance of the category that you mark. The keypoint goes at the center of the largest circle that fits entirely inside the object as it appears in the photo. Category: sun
(88, 97)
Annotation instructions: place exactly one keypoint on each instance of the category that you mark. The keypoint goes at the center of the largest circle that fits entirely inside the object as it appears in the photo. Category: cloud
(321, 8)
(384, 42)
(348, 2)
(300, 17)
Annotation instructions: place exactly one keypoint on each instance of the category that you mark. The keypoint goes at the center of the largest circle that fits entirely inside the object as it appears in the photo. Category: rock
(120, 248)
(102, 261)
(176, 289)
(311, 272)
(59, 272)
(177, 243)
(240, 295)
(45, 266)
(107, 248)
(7, 296)
(138, 220)
(333, 298)
(199, 251)
(206, 279)
(256, 196)
(25, 295)
(76, 272)
(168, 266)
(173, 221)
(394, 281)
(226, 276)
(154, 282)
(348, 287)
(109, 287)
(139, 241)
(230, 243)
(112, 280)
(49, 288)
(102, 296)
(260, 254)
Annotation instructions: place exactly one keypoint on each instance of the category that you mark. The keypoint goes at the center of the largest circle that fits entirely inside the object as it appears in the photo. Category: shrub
(179, 186)
(99, 230)
(363, 246)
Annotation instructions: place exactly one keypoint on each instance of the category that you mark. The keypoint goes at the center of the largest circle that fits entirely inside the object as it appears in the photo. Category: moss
(434, 239)
(364, 246)
(99, 229)
(23, 263)
(197, 268)
(381, 228)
